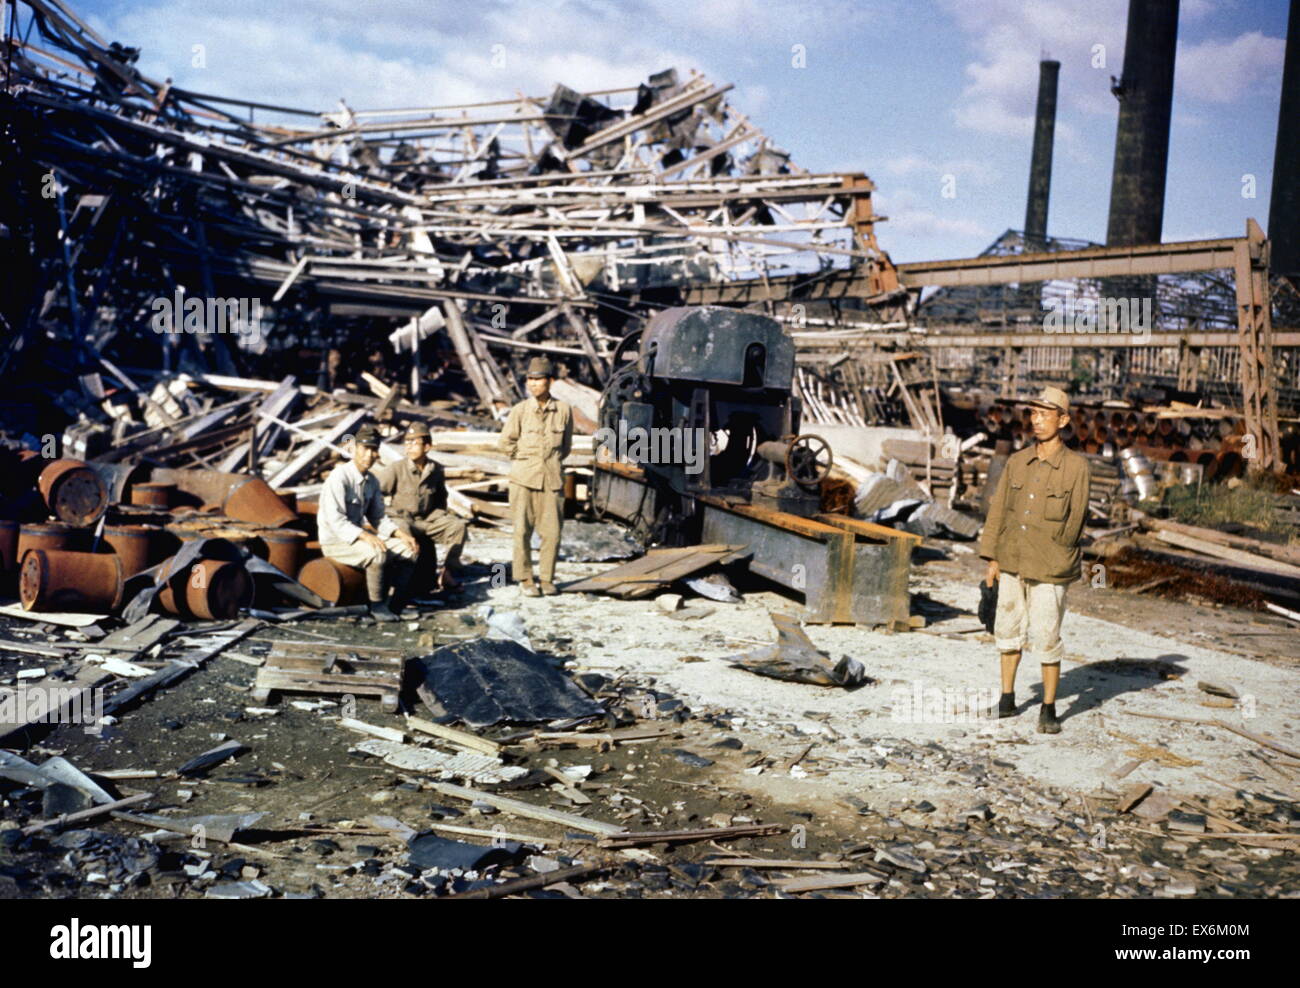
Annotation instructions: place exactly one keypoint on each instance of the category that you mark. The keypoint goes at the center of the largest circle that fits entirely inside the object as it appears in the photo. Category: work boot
(548, 589)
(380, 612)
(1047, 722)
(529, 589)
(1006, 707)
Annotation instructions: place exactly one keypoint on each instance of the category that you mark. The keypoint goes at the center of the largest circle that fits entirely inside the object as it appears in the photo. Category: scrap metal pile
(149, 226)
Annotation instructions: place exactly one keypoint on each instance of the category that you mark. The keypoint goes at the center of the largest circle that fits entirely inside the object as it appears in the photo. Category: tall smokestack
(1284, 208)
(1146, 96)
(1040, 165)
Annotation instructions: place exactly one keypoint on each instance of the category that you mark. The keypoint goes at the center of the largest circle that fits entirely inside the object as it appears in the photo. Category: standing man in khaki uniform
(1031, 540)
(417, 488)
(537, 436)
(350, 499)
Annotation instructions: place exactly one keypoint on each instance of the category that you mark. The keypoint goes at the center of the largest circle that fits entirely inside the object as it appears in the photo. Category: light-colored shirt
(1037, 514)
(346, 501)
(537, 437)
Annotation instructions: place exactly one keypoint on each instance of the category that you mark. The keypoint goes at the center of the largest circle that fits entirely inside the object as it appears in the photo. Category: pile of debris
(461, 240)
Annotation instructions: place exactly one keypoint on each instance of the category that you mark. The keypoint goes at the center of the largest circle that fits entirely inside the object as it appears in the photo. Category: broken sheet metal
(463, 765)
(483, 682)
(795, 658)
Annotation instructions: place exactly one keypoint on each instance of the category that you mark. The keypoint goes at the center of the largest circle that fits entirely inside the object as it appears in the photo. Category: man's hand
(370, 538)
(991, 575)
(408, 540)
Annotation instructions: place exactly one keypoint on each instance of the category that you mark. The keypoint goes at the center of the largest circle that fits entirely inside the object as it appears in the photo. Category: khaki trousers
(374, 561)
(440, 527)
(1029, 613)
(542, 511)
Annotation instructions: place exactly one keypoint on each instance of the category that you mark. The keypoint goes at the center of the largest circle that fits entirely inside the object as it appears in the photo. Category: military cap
(368, 435)
(541, 367)
(419, 429)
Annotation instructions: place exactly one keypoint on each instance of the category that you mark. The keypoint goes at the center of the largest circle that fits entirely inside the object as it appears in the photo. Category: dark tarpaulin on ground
(431, 851)
(483, 682)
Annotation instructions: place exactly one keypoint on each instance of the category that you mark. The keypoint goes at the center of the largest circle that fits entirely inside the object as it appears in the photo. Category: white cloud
(909, 218)
(1010, 37)
(1228, 71)
(267, 51)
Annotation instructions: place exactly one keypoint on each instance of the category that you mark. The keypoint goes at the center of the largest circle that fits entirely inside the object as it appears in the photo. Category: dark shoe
(529, 589)
(1047, 722)
(548, 589)
(1006, 707)
(380, 612)
(448, 582)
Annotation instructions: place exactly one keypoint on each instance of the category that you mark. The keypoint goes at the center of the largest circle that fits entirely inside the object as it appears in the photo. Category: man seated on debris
(417, 489)
(1031, 540)
(350, 499)
(537, 437)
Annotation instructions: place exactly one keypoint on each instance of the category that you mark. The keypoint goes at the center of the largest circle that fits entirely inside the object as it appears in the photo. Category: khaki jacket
(415, 493)
(537, 438)
(1037, 514)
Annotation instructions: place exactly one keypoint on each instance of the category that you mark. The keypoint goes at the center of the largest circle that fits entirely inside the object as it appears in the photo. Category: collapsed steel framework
(518, 226)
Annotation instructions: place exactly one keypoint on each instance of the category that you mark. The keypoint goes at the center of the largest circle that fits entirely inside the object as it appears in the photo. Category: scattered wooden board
(658, 567)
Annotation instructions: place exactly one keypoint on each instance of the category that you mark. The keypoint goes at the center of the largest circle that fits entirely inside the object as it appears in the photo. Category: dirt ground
(904, 775)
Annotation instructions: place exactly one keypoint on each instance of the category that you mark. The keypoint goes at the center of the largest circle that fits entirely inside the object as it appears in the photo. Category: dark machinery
(699, 442)
(705, 409)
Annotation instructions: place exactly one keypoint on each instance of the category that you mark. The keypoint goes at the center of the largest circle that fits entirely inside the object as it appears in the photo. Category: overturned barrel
(60, 580)
(134, 545)
(211, 589)
(285, 548)
(337, 583)
(49, 535)
(74, 492)
(255, 501)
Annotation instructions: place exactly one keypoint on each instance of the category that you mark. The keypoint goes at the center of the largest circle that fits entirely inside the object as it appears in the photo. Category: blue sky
(908, 92)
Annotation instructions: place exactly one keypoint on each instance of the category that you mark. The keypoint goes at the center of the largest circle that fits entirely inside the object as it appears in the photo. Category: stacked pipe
(1214, 443)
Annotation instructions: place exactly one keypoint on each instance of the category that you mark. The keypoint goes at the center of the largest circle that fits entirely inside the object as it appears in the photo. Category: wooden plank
(517, 807)
(326, 662)
(299, 464)
(87, 814)
(452, 828)
(817, 882)
(275, 679)
(656, 568)
(627, 839)
(64, 619)
(462, 739)
(51, 702)
(314, 648)
(386, 733)
(1249, 560)
(137, 637)
(783, 863)
(265, 431)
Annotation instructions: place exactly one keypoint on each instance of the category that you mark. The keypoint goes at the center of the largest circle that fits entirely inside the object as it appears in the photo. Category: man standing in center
(1031, 540)
(537, 437)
